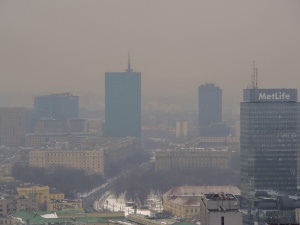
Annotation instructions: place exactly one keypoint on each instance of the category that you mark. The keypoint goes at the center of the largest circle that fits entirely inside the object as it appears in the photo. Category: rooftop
(220, 196)
(201, 190)
(185, 202)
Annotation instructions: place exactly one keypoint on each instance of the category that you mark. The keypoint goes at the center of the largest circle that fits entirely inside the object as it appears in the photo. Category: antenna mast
(254, 77)
(128, 70)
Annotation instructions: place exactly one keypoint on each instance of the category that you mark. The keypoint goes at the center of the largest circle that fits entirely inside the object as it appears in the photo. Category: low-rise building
(192, 159)
(231, 142)
(184, 201)
(220, 208)
(6, 220)
(48, 125)
(41, 193)
(94, 126)
(269, 207)
(35, 141)
(74, 125)
(66, 204)
(46, 140)
(9, 205)
(94, 161)
(73, 217)
(89, 160)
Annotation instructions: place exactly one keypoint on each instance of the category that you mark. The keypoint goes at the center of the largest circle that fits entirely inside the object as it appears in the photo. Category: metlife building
(269, 123)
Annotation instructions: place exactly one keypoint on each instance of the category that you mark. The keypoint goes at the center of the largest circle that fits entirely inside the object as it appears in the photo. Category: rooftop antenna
(254, 77)
(128, 70)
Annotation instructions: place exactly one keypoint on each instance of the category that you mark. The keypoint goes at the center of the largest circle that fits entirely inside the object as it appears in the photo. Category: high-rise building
(13, 124)
(210, 111)
(123, 104)
(57, 106)
(269, 126)
(183, 128)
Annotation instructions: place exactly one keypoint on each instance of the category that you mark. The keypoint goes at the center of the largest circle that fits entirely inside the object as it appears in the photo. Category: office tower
(56, 106)
(13, 124)
(210, 111)
(183, 128)
(123, 104)
(269, 125)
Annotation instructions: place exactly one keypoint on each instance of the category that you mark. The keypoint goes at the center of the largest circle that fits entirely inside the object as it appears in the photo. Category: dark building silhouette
(269, 122)
(210, 111)
(57, 106)
(13, 125)
(123, 104)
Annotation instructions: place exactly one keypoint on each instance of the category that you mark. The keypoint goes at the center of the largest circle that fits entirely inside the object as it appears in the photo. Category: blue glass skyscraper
(269, 141)
(123, 104)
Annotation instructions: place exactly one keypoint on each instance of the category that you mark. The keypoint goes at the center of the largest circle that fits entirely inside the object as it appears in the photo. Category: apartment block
(93, 161)
(192, 159)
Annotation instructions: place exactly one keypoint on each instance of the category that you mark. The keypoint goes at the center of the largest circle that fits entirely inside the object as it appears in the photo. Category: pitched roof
(185, 202)
(201, 190)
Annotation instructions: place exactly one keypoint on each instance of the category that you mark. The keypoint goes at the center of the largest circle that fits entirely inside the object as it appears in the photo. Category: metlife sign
(270, 95)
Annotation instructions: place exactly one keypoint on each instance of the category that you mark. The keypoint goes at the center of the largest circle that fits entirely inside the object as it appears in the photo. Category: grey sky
(58, 46)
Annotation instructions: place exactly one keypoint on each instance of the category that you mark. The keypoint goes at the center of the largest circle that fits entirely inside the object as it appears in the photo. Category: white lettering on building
(274, 96)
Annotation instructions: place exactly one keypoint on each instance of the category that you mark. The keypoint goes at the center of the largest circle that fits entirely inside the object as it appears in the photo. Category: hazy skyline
(67, 46)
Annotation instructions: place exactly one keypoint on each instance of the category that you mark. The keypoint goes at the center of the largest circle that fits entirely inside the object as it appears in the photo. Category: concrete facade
(220, 209)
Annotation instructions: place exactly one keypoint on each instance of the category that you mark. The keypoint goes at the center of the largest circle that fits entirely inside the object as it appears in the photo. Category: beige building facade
(183, 128)
(184, 201)
(40, 193)
(92, 161)
(192, 159)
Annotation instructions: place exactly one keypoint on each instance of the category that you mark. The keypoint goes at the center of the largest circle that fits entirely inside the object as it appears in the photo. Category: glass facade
(269, 142)
(123, 104)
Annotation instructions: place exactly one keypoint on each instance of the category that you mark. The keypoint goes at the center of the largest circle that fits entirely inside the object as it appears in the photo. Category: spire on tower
(254, 77)
(128, 70)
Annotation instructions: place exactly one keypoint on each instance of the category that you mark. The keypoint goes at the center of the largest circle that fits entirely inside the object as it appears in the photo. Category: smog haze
(67, 46)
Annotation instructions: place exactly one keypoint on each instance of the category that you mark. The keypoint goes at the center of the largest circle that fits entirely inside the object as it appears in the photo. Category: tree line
(67, 180)
(139, 183)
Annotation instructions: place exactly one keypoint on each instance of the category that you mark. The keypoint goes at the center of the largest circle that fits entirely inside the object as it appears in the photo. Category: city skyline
(48, 47)
(76, 118)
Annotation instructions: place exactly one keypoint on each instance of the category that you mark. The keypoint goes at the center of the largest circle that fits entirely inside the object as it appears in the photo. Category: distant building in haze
(57, 106)
(210, 111)
(269, 124)
(13, 124)
(183, 128)
(192, 159)
(99, 160)
(123, 104)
